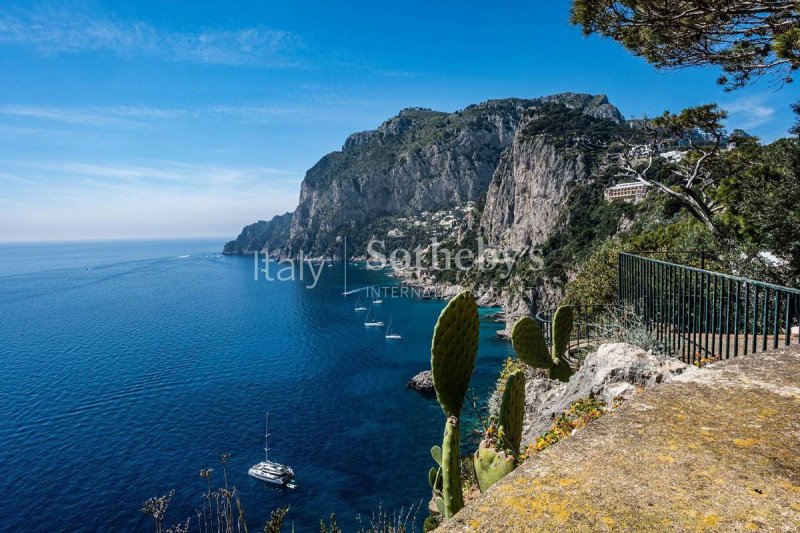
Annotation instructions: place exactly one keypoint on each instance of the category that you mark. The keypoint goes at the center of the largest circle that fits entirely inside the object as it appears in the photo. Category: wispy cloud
(135, 116)
(749, 112)
(158, 173)
(52, 29)
(90, 116)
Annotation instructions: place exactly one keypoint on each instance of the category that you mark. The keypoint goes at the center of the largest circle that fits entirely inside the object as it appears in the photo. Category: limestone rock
(613, 371)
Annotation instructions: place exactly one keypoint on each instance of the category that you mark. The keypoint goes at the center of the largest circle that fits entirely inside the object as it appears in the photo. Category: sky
(167, 119)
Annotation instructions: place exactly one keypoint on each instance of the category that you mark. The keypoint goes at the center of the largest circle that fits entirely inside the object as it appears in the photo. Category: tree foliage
(746, 38)
(761, 203)
(690, 180)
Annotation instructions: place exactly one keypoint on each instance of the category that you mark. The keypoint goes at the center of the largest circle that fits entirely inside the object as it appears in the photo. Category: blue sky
(168, 119)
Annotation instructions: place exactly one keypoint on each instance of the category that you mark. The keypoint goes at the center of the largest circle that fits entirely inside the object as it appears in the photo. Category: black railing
(698, 314)
(587, 323)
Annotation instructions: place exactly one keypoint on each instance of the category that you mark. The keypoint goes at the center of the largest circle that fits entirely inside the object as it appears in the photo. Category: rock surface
(613, 371)
(422, 382)
(263, 234)
(420, 160)
(714, 449)
(528, 192)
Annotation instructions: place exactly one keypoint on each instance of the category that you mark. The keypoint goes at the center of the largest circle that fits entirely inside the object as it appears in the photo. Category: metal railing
(587, 323)
(698, 314)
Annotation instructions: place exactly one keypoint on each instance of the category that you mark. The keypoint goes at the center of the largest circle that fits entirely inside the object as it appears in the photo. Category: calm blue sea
(125, 367)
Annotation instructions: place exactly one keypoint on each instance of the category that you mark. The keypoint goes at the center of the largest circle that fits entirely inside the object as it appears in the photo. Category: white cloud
(52, 29)
(750, 112)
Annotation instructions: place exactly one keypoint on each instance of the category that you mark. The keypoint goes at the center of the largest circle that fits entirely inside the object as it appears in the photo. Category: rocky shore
(422, 382)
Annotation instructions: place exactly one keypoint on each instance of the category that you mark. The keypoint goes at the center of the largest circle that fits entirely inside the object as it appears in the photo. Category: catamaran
(360, 307)
(370, 321)
(390, 335)
(270, 471)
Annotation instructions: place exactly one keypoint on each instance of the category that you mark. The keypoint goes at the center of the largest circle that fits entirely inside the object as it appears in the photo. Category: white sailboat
(370, 321)
(360, 307)
(390, 335)
(377, 301)
(270, 471)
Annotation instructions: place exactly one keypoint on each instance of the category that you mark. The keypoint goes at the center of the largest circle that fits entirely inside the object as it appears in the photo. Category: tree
(689, 179)
(762, 210)
(746, 38)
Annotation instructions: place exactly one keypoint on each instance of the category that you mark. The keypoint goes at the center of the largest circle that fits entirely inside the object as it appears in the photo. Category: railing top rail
(712, 273)
(667, 252)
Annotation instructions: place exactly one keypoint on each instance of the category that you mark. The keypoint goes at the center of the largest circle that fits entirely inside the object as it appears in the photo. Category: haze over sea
(129, 365)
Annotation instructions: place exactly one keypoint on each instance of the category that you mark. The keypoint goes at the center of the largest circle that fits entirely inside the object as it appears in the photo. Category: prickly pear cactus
(440, 505)
(512, 411)
(436, 453)
(529, 343)
(561, 371)
(491, 465)
(562, 330)
(453, 352)
(435, 479)
(452, 497)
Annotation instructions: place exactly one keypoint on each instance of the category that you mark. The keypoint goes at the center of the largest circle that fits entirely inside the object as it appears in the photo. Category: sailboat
(270, 471)
(390, 335)
(370, 321)
(377, 301)
(360, 307)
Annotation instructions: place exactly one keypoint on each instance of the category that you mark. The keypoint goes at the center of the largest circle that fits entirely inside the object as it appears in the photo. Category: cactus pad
(453, 352)
(529, 343)
(451, 468)
(562, 331)
(433, 475)
(561, 371)
(440, 505)
(491, 465)
(436, 453)
(512, 411)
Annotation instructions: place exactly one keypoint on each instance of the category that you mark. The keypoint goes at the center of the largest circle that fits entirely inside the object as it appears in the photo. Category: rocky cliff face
(263, 234)
(423, 160)
(418, 161)
(507, 171)
(528, 191)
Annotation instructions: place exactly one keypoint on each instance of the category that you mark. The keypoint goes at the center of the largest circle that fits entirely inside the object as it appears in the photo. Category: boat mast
(266, 438)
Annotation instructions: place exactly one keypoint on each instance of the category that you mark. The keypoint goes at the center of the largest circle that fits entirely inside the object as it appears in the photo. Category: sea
(127, 367)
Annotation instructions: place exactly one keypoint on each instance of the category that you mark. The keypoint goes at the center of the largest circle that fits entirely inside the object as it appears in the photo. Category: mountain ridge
(418, 160)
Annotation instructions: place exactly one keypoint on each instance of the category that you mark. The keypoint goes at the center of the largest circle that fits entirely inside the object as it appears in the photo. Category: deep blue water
(127, 366)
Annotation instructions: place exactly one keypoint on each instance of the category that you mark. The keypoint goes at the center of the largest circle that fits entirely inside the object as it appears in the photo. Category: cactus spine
(453, 352)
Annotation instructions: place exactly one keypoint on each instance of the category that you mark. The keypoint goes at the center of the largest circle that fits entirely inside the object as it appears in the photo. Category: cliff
(420, 160)
(263, 234)
(504, 171)
(417, 161)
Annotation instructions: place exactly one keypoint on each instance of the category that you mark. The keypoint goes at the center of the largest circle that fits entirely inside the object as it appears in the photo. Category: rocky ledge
(714, 449)
(422, 382)
(613, 373)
